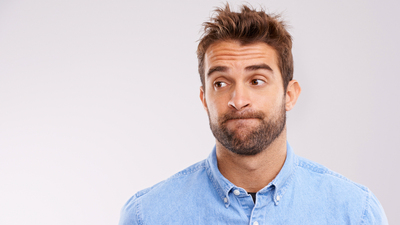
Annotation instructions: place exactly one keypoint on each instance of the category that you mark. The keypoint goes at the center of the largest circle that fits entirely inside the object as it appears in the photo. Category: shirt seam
(325, 171)
(173, 177)
(215, 182)
(139, 216)
(189, 170)
(365, 211)
(289, 180)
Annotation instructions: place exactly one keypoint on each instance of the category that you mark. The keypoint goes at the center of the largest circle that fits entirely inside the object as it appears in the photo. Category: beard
(249, 142)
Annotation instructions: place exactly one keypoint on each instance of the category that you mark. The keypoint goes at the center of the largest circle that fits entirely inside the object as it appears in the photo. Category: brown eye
(219, 84)
(257, 82)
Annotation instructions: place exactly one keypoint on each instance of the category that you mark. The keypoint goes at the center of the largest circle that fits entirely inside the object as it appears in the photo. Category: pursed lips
(241, 119)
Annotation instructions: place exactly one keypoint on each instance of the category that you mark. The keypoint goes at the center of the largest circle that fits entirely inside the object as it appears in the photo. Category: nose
(240, 98)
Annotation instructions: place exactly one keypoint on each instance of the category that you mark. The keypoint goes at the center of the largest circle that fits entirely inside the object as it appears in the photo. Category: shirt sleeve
(128, 213)
(374, 213)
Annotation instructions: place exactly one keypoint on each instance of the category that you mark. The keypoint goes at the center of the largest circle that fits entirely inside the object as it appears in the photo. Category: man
(252, 175)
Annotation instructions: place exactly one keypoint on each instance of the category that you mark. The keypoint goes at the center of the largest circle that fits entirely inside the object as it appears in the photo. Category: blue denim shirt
(303, 192)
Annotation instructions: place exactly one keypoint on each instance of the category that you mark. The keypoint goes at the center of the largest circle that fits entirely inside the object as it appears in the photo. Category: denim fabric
(303, 192)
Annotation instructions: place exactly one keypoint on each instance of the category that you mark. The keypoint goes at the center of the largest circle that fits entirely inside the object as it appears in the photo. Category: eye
(257, 82)
(219, 84)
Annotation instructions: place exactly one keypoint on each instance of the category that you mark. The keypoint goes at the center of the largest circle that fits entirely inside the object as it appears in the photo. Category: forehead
(233, 53)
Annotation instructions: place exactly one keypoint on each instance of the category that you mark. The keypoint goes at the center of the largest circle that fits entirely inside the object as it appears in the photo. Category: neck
(256, 171)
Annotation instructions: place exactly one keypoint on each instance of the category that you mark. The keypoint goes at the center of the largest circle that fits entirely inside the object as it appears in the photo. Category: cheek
(279, 104)
(212, 110)
(213, 101)
(215, 108)
(269, 102)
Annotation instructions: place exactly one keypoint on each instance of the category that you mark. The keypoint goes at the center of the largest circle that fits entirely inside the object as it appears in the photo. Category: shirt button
(225, 200)
(278, 198)
(255, 223)
(236, 192)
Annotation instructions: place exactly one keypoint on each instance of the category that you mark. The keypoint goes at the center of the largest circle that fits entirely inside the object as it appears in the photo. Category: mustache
(242, 115)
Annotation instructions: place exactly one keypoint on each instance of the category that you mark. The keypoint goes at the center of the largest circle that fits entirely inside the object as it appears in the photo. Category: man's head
(247, 27)
(242, 79)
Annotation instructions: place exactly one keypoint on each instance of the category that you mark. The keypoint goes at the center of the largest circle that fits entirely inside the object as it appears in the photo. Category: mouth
(251, 118)
(242, 120)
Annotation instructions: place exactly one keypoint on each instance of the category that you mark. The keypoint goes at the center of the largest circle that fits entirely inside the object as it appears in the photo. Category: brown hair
(248, 26)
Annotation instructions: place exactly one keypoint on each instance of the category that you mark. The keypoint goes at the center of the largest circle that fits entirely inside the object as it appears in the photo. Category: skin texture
(239, 81)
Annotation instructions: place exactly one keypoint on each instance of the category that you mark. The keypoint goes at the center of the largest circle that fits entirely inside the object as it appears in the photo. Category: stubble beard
(249, 142)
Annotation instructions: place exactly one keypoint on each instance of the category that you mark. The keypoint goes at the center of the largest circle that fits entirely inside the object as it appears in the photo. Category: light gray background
(99, 99)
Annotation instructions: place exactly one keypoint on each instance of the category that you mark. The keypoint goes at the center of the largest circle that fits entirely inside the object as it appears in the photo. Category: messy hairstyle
(248, 26)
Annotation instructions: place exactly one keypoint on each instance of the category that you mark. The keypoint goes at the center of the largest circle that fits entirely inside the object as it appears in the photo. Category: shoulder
(322, 174)
(174, 182)
(340, 191)
(163, 193)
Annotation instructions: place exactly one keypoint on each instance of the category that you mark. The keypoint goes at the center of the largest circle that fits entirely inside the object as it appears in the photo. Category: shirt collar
(280, 184)
(220, 183)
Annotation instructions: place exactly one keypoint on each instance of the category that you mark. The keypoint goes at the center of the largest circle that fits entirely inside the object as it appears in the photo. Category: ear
(292, 94)
(203, 98)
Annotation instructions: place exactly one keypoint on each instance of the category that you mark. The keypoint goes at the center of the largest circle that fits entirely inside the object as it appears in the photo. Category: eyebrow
(217, 69)
(261, 66)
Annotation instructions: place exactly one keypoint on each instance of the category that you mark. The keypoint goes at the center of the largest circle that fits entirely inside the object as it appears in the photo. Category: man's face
(243, 96)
